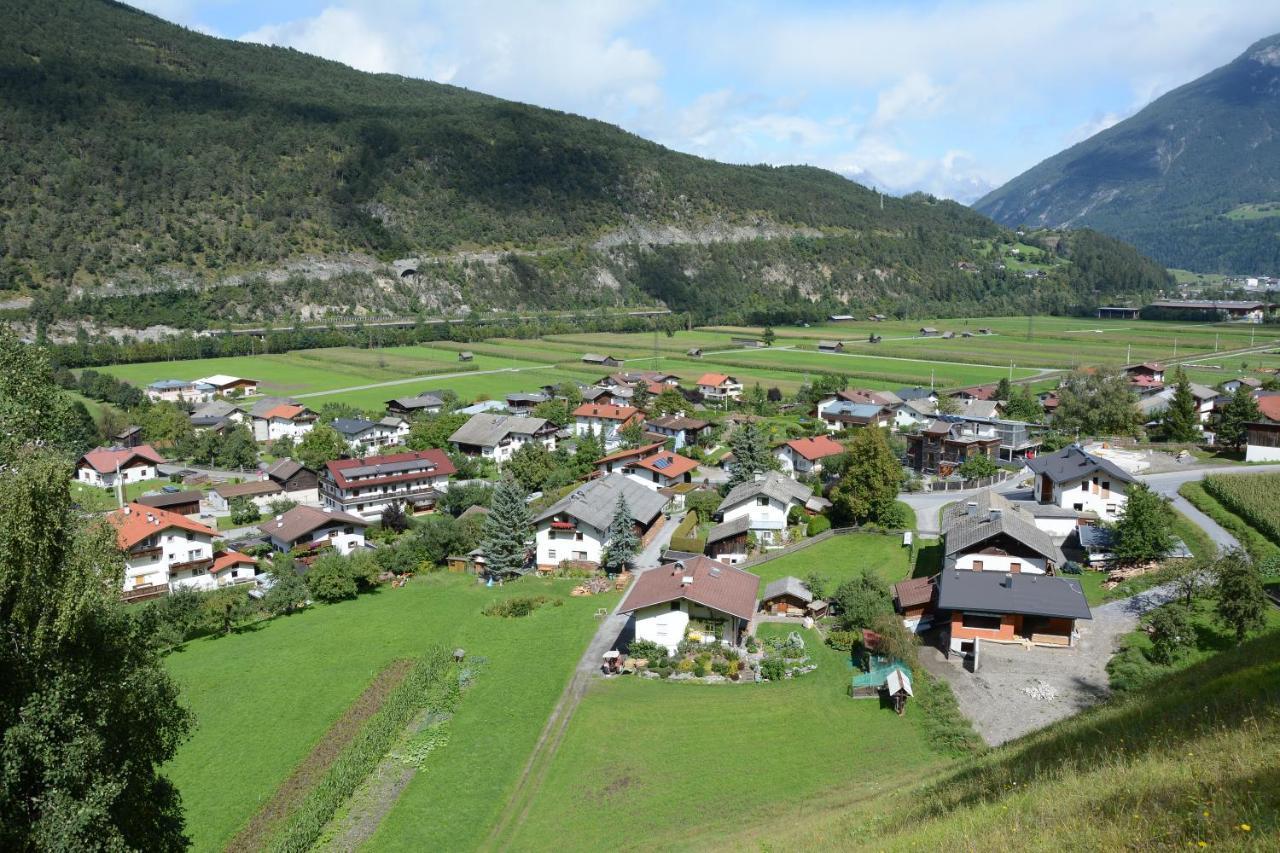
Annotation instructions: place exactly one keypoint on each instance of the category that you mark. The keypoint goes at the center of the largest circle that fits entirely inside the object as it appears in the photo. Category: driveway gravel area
(1018, 689)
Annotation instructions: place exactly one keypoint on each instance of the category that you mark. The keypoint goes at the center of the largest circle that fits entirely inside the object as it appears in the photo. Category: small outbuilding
(786, 597)
(466, 355)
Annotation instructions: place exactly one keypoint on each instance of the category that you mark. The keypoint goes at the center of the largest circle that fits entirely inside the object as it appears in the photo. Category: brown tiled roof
(716, 585)
(104, 460)
(678, 422)
(630, 453)
(392, 468)
(301, 520)
(136, 522)
(253, 488)
(816, 448)
(674, 466)
(607, 412)
(913, 591)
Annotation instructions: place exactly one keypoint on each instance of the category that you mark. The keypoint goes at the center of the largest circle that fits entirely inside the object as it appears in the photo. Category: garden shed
(786, 597)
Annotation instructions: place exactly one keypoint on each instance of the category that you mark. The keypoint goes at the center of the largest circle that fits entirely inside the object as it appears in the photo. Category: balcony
(190, 565)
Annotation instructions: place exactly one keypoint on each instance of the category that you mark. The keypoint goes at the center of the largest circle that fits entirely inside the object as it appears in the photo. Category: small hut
(786, 597)
(466, 355)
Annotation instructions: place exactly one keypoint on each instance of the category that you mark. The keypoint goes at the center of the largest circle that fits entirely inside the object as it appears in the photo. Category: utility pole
(1128, 354)
(1010, 370)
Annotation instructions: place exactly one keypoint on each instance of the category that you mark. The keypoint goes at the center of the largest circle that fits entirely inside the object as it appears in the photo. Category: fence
(962, 485)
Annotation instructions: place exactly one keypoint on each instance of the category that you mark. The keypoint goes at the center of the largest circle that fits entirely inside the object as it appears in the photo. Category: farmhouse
(523, 402)
(685, 431)
(1075, 479)
(498, 437)
(574, 527)
(698, 599)
(594, 358)
(466, 355)
(1005, 607)
(367, 486)
(943, 446)
(406, 407)
(988, 533)
(718, 387)
(223, 384)
(604, 421)
(806, 455)
(179, 391)
(273, 419)
(299, 482)
(1262, 442)
(106, 467)
(313, 529)
(182, 503)
(162, 549)
(765, 502)
(840, 414)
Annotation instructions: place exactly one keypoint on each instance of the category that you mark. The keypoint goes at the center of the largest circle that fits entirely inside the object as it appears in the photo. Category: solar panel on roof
(662, 463)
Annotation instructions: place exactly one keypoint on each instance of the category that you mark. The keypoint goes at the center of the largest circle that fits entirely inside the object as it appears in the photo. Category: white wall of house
(503, 451)
(1259, 453)
(88, 475)
(670, 622)
(175, 546)
(368, 502)
(554, 546)
(794, 463)
(1059, 528)
(768, 516)
(270, 429)
(343, 537)
(1000, 563)
(606, 428)
(1097, 493)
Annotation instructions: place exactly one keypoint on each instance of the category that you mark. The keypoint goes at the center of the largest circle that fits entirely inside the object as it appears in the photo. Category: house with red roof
(366, 486)
(719, 387)
(162, 550)
(104, 467)
(699, 599)
(273, 419)
(605, 421)
(806, 455)
(661, 470)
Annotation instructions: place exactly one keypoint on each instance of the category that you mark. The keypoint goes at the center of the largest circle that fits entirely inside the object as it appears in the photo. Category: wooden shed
(786, 597)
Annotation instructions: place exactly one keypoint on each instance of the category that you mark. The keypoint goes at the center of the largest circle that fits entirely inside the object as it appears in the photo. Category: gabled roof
(222, 379)
(714, 379)
(394, 467)
(105, 460)
(728, 529)
(216, 409)
(301, 520)
(861, 411)
(595, 502)
(982, 408)
(135, 522)
(667, 463)
(224, 560)
(711, 583)
(1269, 407)
(283, 411)
(819, 447)
(923, 407)
(606, 412)
(965, 527)
(260, 407)
(1072, 462)
(352, 426)
(787, 586)
(977, 392)
(916, 393)
(914, 591)
(678, 422)
(283, 469)
(164, 500)
(998, 592)
(422, 401)
(867, 395)
(487, 430)
(773, 484)
(630, 453)
(252, 488)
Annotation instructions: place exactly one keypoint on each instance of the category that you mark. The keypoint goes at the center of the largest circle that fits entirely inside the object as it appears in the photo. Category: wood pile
(1118, 575)
(591, 586)
(623, 580)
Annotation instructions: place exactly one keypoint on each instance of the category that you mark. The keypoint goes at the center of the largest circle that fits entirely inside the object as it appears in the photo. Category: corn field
(1253, 497)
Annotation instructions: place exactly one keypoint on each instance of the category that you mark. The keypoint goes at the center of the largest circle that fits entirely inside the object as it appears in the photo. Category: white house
(361, 434)
(315, 530)
(365, 487)
(498, 437)
(765, 502)
(180, 391)
(1075, 479)
(661, 470)
(989, 534)
(806, 455)
(162, 549)
(606, 421)
(698, 599)
(1152, 406)
(105, 467)
(718, 387)
(574, 528)
(273, 419)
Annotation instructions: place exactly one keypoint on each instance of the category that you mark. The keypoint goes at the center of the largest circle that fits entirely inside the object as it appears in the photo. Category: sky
(952, 98)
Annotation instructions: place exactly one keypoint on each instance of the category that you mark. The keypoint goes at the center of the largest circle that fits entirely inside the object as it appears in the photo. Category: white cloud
(914, 96)
(349, 37)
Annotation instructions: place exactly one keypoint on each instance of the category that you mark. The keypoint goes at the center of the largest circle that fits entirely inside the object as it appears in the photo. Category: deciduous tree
(1144, 531)
(1098, 403)
(869, 488)
(322, 444)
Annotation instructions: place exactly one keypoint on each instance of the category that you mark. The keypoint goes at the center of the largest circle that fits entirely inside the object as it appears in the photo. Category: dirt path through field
(306, 775)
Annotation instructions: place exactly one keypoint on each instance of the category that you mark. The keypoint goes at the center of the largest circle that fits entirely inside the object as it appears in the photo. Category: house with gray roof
(1075, 479)
(766, 502)
(498, 437)
(988, 533)
(574, 527)
(425, 403)
(1007, 607)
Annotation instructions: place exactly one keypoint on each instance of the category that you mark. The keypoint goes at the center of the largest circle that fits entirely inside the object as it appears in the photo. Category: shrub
(329, 581)
(843, 641)
(685, 665)
(818, 524)
(699, 668)
(515, 608)
(647, 650)
(773, 669)
(1171, 633)
(244, 511)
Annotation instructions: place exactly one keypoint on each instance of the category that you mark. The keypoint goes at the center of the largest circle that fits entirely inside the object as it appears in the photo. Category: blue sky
(950, 97)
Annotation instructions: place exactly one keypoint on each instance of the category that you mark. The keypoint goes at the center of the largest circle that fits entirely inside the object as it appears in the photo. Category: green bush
(818, 524)
(773, 669)
(949, 730)
(843, 641)
(329, 580)
(515, 608)
(647, 650)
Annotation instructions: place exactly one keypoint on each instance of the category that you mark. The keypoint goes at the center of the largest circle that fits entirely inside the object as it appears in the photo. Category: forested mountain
(1192, 180)
(151, 172)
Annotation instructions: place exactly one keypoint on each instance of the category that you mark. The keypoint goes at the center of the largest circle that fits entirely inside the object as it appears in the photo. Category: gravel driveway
(995, 698)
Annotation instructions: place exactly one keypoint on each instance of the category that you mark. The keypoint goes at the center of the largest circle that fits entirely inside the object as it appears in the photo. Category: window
(551, 554)
(675, 605)
(577, 537)
(1084, 485)
(1078, 507)
(1015, 568)
(981, 621)
(762, 501)
(579, 555)
(193, 554)
(977, 565)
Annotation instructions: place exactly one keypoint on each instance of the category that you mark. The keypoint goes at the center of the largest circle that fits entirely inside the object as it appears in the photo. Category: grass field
(263, 697)
(95, 499)
(667, 765)
(840, 558)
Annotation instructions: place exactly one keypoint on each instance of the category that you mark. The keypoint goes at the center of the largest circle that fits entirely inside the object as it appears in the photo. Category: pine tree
(1004, 389)
(1241, 410)
(869, 488)
(622, 544)
(1242, 604)
(750, 446)
(1182, 418)
(1144, 532)
(507, 529)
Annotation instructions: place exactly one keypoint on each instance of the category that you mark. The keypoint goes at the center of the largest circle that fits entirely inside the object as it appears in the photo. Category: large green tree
(322, 444)
(861, 599)
(1144, 531)
(751, 453)
(32, 408)
(507, 529)
(621, 542)
(1241, 602)
(1097, 403)
(1181, 420)
(869, 488)
(428, 431)
(88, 714)
(1242, 409)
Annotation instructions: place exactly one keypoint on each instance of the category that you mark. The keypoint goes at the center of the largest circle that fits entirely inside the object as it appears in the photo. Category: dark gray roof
(787, 586)
(422, 401)
(1072, 463)
(528, 397)
(917, 393)
(993, 515)
(487, 430)
(595, 502)
(352, 426)
(997, 592)
(283, 469)
(164, 500)
(773, 484)
(215, 409)
(729, 528)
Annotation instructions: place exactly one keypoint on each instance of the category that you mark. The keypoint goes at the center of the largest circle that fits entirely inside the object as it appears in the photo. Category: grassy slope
(840, 558)
(263, 697)
(1193, 758)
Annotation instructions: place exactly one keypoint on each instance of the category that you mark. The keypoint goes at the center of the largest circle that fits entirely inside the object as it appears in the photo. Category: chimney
(1007, 583)
(686, 580)
(127, 509)
(972, 507)
(677, 567)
